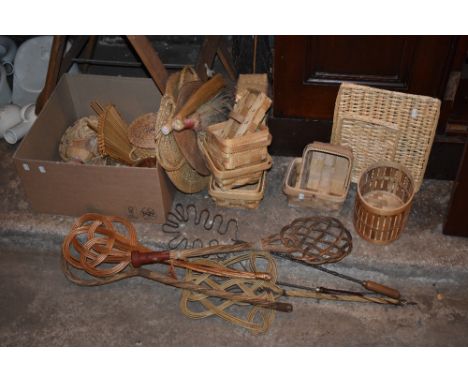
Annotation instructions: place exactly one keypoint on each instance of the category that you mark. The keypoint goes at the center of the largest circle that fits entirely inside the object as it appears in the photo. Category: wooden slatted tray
(236, 177)
(240, 151)
(321, 178)
(248, 196)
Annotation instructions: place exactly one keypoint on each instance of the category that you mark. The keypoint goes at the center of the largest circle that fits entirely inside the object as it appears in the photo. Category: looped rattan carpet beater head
(254, 318)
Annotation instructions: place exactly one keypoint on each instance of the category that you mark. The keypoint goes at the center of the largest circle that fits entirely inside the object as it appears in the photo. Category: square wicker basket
(230, 153)
(321, 178)
(248, 196)
(239, 176)
(362, 112)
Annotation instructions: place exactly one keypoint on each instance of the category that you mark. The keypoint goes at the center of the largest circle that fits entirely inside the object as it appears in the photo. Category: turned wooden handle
(281, 307)
(143, 258)
(382, 289)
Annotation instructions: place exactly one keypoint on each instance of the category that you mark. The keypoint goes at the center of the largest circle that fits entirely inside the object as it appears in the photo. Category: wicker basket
(236, 177)
(248, 196)
(258, 82)
(360, 109)
(168, 152)
(384, 196)
(237, 152)
(377, 141)
(248, 142)
(321, 178)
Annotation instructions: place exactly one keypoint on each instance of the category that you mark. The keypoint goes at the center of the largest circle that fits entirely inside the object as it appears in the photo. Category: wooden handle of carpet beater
(142, 258)
(382, 289)
(281, 307)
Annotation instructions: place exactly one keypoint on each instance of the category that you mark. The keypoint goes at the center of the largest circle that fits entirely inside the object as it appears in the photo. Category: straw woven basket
(79, 143)
(403, 124)
(168, 153)
(384, 196)
(141, 131)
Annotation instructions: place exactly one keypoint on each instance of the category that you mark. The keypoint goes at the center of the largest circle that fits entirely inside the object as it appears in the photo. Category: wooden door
(309, 69)
(456, 222)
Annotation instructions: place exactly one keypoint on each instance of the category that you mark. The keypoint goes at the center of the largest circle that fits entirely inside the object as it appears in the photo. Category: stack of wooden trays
(236, 152)
(321, 178)
(237, 166)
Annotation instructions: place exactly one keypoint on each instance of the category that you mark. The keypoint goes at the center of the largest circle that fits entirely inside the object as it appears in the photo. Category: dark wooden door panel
(456, 222)
(367, 59)
(309, 69)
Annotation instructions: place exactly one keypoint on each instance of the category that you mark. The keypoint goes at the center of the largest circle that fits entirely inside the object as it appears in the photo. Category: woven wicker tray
(415, 116)
(237, 177)
(248, 196)
(226, 153)
(215, 137)
(371, 140)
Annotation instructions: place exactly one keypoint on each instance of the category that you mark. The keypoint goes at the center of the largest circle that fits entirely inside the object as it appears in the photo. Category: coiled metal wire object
(183, 220)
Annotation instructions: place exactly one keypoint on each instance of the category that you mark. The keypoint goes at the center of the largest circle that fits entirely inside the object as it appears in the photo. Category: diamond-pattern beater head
(318, 239)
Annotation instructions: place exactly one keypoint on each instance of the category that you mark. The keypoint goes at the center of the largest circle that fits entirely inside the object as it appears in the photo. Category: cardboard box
(55, 187)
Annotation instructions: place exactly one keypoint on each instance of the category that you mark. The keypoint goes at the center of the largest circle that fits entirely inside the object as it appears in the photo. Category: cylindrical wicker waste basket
(383, 201)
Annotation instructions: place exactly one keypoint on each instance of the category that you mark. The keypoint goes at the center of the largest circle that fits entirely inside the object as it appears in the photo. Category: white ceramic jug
(15, 133)
(31, 64)
(10, 115)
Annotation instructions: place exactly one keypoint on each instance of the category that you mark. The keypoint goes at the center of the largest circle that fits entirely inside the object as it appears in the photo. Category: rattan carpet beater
(107, 250)
(96, 245)
(256, 318)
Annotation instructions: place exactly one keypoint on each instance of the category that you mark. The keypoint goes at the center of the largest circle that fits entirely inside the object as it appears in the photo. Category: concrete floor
(40, 307)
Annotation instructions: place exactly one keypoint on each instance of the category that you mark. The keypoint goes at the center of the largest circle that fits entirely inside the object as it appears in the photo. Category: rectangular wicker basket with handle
(321, 178)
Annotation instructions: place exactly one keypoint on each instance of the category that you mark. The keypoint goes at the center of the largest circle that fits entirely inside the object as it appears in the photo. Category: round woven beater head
(320, 239)
(184, 177)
